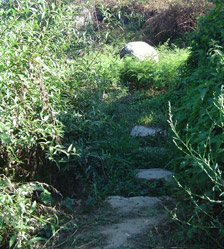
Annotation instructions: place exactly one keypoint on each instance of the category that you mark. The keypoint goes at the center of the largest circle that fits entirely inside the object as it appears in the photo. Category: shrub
(146, 74)
(199, 129)
(36, 38)
(173, 22)
(22, 219)
(33, 72)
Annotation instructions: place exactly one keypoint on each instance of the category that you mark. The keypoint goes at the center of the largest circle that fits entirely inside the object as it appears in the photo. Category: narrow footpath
(125, 222)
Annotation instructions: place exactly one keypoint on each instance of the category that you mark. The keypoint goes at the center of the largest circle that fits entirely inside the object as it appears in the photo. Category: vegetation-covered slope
(200, 123)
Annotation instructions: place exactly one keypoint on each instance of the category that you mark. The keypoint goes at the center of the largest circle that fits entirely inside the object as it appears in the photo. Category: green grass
(164, 74)
(111, 153)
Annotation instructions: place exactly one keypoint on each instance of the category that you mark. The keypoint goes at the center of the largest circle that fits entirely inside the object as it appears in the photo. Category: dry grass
(164, 19)
(173, 20)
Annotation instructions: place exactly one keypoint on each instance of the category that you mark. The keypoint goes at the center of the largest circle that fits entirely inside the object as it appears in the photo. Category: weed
(23, 223)
(198, 131)
(165, 74)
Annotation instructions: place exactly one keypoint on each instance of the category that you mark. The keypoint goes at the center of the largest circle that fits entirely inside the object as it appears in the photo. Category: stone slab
(119, 235)
(135, 205)
(143, 131)
(154, 174)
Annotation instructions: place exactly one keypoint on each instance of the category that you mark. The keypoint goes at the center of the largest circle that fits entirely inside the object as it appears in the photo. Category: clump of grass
(23, 221)
(148, 74)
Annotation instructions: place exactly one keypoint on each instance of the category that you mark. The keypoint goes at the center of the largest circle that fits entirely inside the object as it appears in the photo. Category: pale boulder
(140, 50)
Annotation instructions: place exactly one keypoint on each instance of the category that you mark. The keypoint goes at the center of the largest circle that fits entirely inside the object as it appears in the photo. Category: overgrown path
(127, 217)
(126, 222)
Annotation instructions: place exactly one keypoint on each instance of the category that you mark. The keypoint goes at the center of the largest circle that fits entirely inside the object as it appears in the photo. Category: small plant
(22, 219)
(146, 74)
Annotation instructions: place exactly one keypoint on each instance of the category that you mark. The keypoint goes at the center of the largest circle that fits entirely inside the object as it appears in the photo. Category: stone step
(122, 234)
(143, 131)
(154, 174)
(135, 216)
(133, 205)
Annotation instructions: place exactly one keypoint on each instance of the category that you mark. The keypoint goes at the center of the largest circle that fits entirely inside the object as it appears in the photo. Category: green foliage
(122, 14)
(199, 128)
(146, 74)
(33, 72)
(21, 217)
(210, 36)
(35, 79)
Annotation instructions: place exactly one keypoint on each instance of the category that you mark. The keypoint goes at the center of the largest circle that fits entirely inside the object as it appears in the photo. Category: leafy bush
(146, 74)
(209, 39)
(35, 81)
(199, 129)
(22, 220)
(33, 73)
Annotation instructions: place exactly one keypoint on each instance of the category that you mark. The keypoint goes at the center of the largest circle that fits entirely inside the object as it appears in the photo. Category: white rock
(142, 131)
(140, 50)
(154, 174)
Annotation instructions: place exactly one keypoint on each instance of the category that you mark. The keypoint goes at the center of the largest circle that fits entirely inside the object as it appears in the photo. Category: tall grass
(198, 131)
(165, 74)
(34, 80)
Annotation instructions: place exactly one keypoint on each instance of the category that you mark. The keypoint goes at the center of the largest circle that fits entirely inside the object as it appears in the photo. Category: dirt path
(124, 223)
(137, 215)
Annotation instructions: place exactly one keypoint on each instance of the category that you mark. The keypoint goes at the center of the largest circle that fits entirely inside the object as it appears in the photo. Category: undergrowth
(198, 132)
(22, 215)
(164, 74)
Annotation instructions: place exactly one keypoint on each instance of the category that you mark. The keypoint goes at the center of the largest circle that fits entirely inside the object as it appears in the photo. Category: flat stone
(125, 220)
(135, 205)
(136, 216)
(119, 235)
(154, 174)
(142, 131)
